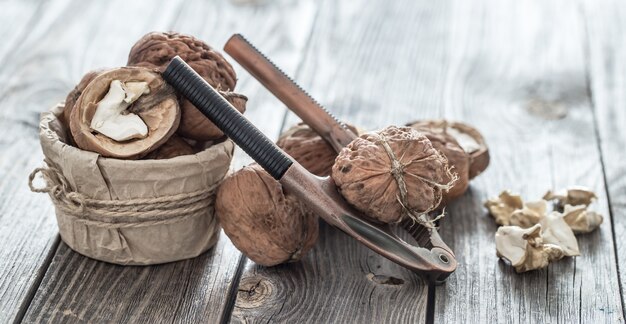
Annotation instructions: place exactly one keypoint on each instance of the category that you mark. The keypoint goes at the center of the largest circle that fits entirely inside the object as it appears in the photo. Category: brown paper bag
(133, 212)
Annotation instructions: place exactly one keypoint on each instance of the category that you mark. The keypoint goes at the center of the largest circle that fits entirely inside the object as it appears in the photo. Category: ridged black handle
(187, 82)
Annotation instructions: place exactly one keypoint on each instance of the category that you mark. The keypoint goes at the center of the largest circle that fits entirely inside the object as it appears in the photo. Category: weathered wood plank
(515, 66)
(371, 70)
(77, 288)
(27, 233)
(607, 75)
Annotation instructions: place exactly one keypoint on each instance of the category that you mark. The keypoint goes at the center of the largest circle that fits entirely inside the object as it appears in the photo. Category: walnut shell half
(308, 148)
(156, 50)
(392, 174)
(458, 159)
(266, 224)
(72, 97)
(159, 111)
(468, 137)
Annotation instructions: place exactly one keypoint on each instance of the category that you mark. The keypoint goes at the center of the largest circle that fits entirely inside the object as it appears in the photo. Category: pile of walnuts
(389, 175)
(173, 126)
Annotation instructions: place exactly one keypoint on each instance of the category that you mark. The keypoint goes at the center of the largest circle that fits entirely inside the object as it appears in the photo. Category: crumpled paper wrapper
(135, 240)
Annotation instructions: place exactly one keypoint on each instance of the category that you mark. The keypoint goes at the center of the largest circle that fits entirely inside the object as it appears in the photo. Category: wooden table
(545, 81)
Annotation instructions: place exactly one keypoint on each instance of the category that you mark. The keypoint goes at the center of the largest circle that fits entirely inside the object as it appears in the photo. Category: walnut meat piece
(392, 174)
(308, 148)
(266, 224)
(157, 110)
(525, 248)
(156, 49)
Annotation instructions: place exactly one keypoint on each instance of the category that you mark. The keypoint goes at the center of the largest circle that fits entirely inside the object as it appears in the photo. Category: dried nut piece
(581, 220)
(309, 149)
(466, 136)
(266, 224)
(111, 118)
(572, 196)
(106, 121)
(194, 125)
(529, 215)
(554, 230)
(156, 49)
(72, 97)
(175, 146)
(392, 174)
(502, 207)
(525, 249)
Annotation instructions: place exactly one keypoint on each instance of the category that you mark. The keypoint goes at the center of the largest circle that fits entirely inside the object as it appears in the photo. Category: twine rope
(114, 213)
(398, 172)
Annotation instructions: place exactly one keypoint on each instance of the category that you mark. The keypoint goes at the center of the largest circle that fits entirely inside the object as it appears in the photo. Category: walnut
(266, 224)
(392, 174)
(458, 159)
(580, 219)
(175, 146)
(466, 136)
(194, 125)
(156, 49)
(72, 97)
(124, 113)
(525, 248)
(309, 149)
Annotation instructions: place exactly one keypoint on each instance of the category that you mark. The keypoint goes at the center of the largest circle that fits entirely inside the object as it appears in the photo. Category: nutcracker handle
(193, 87)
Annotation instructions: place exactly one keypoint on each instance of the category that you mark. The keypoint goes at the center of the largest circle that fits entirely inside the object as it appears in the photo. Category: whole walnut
(458, 159)
(175, 146)
(194, 125)
(392, 174)
(156, 49)
(309, 149)
(266, 224)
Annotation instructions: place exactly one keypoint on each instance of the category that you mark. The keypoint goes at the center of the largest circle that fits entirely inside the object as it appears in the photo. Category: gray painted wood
(188, 291)
(371, 71)
(485, 63)
(27, 226)
(607, 75)
(509, 57)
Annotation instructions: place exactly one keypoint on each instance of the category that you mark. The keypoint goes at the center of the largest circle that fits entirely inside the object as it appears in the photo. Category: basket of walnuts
(131, 167)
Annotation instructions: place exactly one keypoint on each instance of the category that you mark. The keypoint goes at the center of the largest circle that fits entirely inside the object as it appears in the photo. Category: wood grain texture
(607, 74)
(27, 228)
(372, 71)
(517, 66)
(78, 289)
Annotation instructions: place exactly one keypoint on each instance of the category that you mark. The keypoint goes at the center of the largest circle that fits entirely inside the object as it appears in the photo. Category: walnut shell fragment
(308, 148)
(266, 224)
(156, 49)
(466, 136)
(392, 174)
(158, 110)
(525, 249)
